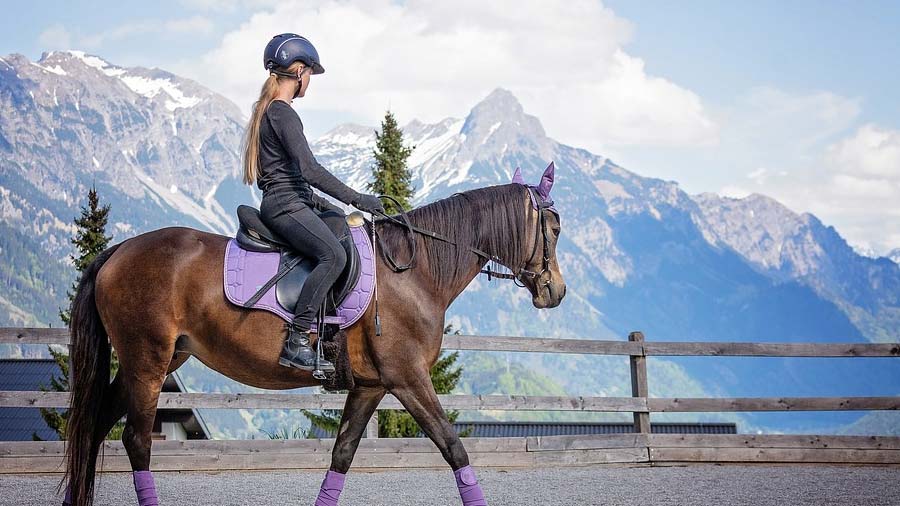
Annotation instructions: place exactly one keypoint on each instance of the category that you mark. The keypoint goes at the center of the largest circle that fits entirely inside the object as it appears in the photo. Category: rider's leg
(310, 236)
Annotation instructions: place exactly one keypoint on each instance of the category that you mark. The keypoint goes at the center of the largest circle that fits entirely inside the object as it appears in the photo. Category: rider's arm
(322, 204)
(289, 130)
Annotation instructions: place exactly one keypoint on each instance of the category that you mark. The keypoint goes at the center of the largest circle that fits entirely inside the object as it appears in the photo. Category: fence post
(372, 426)
(639, 384)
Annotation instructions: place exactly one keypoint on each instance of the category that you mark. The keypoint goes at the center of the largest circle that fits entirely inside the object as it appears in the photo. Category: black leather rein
(545, 263)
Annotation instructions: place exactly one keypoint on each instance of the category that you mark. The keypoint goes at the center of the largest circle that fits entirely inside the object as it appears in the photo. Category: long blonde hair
(250, 144)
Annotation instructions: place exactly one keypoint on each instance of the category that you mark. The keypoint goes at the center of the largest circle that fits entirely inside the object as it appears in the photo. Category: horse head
(546, 285)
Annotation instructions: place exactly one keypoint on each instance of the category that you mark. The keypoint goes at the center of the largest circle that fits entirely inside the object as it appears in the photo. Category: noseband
(540, 278)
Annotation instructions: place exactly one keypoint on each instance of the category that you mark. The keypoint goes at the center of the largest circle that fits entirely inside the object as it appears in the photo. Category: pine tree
(445, 375)
(391, 176)
(90, 239)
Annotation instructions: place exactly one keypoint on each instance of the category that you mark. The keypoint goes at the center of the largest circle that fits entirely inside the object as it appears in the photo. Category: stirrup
(318, 373)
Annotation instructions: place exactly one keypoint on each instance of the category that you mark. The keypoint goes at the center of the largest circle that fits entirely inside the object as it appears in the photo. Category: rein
(396, 267)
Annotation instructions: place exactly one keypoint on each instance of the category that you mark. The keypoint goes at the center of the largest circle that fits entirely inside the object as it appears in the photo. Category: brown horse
(158, 298)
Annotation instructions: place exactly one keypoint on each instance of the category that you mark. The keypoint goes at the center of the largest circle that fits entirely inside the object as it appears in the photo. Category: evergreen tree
(445, 375)
(90, 239)
(391, 176)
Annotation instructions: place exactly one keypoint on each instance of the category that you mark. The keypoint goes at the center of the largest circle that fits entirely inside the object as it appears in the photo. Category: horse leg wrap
(67, 501)
(469, 489)
(331, 489)
(145, 488)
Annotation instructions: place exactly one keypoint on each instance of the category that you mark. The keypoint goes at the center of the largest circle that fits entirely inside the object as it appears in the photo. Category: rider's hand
(367, 203)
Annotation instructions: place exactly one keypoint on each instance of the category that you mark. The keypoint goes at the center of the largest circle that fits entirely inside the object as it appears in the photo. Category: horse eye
(556, 230)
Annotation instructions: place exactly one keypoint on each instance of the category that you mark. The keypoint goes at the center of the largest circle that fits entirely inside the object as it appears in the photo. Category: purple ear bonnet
(542, 188)
(546, 183)
(517, 176)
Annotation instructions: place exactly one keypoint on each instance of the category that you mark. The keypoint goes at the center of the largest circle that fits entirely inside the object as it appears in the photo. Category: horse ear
(517, 176)
(546, 183)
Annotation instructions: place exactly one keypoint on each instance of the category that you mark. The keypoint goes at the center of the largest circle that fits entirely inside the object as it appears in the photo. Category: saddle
(293, 267)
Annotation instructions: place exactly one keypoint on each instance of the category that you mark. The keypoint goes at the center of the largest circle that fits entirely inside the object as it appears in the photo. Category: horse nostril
(564, 291)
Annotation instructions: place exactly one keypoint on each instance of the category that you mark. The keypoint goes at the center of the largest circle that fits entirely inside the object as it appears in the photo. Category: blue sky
(797, 100)
(715, 47)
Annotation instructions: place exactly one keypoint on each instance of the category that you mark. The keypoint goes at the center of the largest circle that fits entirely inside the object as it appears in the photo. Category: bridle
(540, 279)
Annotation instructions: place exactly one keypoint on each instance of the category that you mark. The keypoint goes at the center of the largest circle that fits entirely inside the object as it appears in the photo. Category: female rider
(277, 157)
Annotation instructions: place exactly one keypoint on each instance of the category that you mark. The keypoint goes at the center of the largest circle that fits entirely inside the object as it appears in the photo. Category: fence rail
(641, 447)
(487, 402)
(578, 346)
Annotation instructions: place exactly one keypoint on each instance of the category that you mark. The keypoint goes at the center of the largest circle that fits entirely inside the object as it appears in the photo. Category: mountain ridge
(638, 253)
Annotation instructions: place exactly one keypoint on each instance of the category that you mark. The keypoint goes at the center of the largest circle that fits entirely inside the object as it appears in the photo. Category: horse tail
(88, 382)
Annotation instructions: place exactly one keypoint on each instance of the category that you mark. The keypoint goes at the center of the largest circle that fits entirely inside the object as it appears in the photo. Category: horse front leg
(420, 399)
(361, 403)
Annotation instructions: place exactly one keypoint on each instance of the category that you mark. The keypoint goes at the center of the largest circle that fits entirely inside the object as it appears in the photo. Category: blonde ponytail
(250, 144)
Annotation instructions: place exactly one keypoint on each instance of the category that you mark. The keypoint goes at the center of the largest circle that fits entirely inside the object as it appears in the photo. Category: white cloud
(856, 187)
(771, 123)
(430, 60)
(195, 24)
(759, 175)
(735, 192)
(803, 149)
(56, 37)
(872, 152)
(225, 5)
(95, 41)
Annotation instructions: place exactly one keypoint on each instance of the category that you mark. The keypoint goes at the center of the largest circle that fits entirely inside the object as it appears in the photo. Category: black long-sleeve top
(286, 162)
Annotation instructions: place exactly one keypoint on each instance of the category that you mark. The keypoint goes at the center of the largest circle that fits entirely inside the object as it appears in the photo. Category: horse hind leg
(144, 373)
(115, 406)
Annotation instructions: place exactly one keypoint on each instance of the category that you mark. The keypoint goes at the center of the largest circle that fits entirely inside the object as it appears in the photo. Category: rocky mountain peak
(501, 114)
(894, 255)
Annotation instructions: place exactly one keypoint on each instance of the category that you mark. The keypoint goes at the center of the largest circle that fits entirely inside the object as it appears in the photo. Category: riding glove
(367, 203)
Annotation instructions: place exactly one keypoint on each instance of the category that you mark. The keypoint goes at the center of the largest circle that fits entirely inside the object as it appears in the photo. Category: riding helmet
(286, 48)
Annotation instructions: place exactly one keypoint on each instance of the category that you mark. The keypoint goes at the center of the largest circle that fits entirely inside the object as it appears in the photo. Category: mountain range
(638, 253)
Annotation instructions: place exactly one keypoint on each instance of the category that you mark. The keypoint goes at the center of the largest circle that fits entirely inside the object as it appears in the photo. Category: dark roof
(27, 374)
(518, 429)
(19, 424)
(521, 429)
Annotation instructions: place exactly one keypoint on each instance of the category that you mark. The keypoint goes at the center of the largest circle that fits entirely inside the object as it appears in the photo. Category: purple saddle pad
(247, 271)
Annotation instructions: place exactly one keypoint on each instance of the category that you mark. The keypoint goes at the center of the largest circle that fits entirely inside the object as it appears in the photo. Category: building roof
(522, 429)
(20, 424)
(518, 429)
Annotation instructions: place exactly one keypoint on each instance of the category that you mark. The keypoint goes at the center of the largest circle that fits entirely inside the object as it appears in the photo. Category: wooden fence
(641, 447)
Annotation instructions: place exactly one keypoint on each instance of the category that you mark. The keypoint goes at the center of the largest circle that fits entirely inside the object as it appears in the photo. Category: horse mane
(493, 219)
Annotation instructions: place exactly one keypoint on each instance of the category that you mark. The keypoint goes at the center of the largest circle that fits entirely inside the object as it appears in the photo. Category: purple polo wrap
(67, 501)
(469, 489)
(145, 488)
(331, 489)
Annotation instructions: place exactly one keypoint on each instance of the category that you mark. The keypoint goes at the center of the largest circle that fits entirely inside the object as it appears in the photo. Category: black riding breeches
(297, 222)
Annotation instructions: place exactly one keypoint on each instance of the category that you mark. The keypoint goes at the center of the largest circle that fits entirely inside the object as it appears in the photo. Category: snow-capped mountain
(70, 119)
(788, 246)
(161, 149)
(894, 255)
(595, 195)
(638, 253)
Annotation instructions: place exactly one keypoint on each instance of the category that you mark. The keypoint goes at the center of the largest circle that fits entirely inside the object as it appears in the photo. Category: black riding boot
(297, 352)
